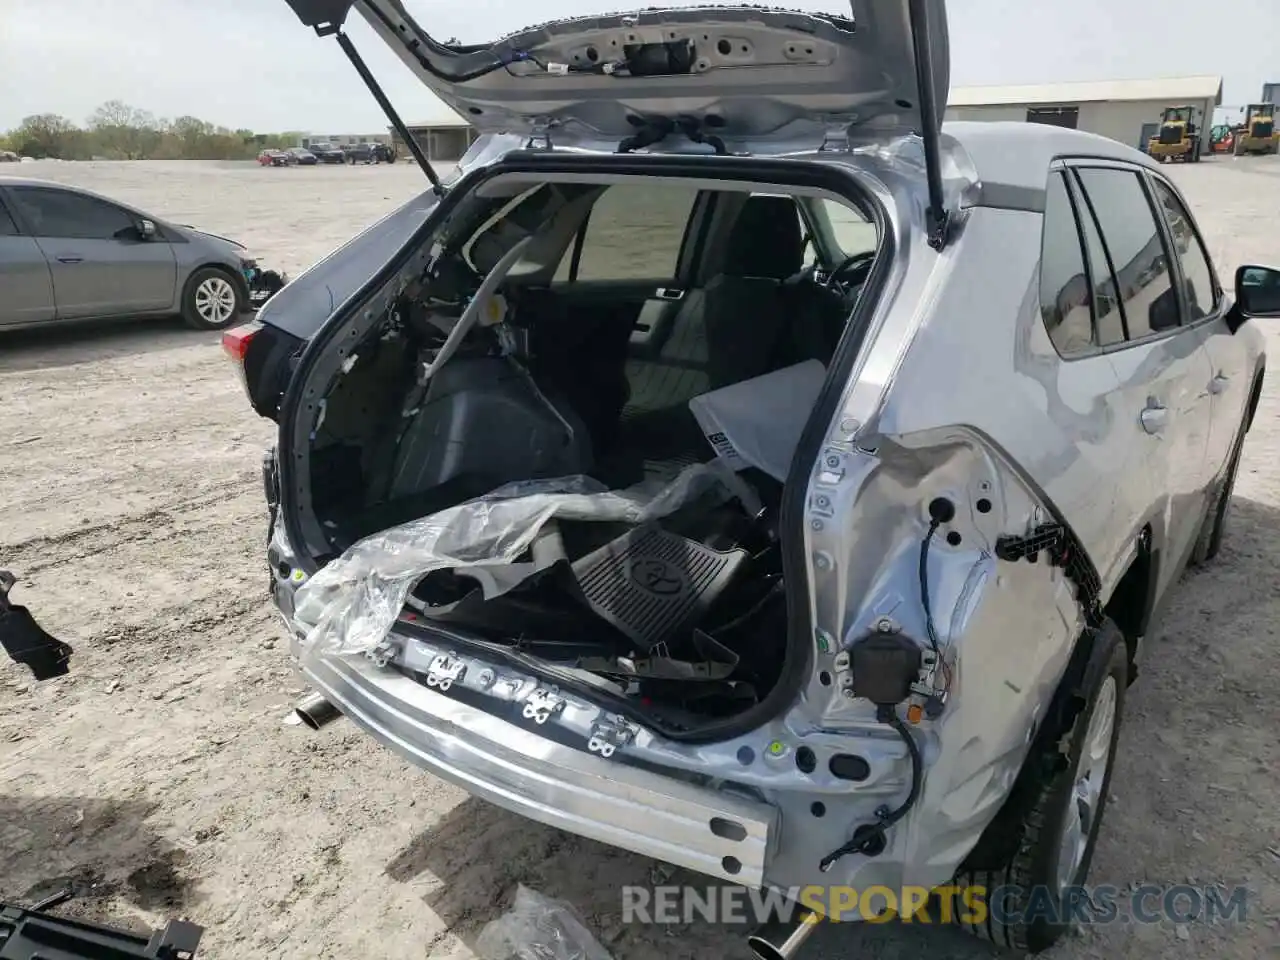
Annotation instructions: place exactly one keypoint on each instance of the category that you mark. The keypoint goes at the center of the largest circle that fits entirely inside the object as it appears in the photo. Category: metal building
(1125, 110)
(445, 139)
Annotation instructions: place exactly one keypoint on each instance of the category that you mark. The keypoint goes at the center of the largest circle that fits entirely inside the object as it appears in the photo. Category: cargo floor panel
(652, 584)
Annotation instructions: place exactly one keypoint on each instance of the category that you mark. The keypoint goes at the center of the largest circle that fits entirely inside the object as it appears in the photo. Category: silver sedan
(70, 254)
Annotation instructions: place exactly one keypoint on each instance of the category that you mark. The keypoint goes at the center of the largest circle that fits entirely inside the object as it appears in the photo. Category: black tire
(1214, 525)
(1017, 860)
(205, 299)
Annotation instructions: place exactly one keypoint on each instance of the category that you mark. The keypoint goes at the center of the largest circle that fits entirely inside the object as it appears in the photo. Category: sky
(251, 64)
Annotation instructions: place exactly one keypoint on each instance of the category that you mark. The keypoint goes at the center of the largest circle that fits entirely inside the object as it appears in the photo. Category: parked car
(273, 158)
(328, 153)
(744, 512)
(8, 156)
(300, 156)
(370, 153)
(69, 254)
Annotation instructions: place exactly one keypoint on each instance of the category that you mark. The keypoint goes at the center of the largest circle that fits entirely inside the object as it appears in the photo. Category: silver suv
(733, 464)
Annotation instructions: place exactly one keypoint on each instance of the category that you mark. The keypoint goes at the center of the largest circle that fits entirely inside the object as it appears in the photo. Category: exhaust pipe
(315, 711)
(783, 940)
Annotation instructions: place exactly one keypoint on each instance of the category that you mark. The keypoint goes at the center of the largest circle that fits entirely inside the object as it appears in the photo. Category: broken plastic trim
(800, 648)
(25, 641)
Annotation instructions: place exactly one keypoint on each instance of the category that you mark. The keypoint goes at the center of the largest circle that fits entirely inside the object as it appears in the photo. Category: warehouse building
(445, 139)
(1125, 110)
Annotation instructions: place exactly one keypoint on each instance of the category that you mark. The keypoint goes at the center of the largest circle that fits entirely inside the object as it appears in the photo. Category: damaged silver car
(734, 464)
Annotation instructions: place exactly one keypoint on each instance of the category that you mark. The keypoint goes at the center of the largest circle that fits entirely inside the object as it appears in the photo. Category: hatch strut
(938, 215)
(326, 17)
(375, 88)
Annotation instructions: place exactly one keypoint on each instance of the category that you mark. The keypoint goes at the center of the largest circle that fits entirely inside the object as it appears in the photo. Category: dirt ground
(160, 778)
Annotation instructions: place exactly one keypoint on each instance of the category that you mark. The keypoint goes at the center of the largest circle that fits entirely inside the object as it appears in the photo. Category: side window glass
(635, 233)
(1135, 249)
(1107, 320)
(7, 227)
(1200, 293)
(59, 213)
(853, 232)
(1064, 283)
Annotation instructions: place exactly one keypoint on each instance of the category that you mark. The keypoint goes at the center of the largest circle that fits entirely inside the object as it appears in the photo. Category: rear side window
(60, 213)
(633, 233)
(1134, 247)
(1108, 321)
(1200, 293)
(1064, 283)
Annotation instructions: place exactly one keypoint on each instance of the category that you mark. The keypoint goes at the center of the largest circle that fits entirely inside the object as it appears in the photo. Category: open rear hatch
(741, 78)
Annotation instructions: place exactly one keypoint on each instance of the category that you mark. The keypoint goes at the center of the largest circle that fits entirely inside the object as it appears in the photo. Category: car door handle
(1219, 383)
(71, 259)
(1154, 419)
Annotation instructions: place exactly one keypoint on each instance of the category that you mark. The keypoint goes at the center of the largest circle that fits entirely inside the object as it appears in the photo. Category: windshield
(1182, 113)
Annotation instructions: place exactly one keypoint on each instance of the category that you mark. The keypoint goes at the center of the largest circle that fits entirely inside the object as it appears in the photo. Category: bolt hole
(745, 48)
(474, 111)
(809, 50)
(725, 47)
(731, 865)
(806, 762)
(746, 756)
(904, 104)
(818, 808)
(593, 54)
(824, 678)
(728, 829)
(984, 505)
(954, 538)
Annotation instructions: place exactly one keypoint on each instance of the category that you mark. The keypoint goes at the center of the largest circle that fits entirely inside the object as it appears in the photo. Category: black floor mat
(652, 585)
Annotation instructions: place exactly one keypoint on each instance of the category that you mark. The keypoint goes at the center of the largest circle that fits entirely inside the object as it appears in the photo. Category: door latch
(609, 734)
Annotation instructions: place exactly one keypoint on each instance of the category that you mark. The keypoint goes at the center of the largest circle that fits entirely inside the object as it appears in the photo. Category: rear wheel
(211, 300)
(1034, 859)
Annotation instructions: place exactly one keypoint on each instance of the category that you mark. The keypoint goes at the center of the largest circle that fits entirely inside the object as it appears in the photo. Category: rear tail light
(235, 342)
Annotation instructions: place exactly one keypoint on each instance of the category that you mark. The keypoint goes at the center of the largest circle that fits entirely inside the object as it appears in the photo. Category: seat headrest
(766, 240)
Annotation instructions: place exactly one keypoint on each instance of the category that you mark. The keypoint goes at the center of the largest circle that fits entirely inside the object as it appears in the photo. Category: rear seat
(721, 335)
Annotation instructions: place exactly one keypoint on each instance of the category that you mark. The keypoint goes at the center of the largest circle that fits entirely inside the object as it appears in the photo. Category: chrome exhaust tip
(315, 711)
(782, 941)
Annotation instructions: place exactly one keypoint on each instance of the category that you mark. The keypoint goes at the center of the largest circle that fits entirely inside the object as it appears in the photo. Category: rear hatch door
(755, 77)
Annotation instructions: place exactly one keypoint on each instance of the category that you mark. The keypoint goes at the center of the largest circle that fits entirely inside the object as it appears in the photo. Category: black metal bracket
(375, 88)
(27, 933)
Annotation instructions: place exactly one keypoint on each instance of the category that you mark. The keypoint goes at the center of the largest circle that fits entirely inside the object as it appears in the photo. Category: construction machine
(1221, 138)
(1258, 132)
(1178, 137)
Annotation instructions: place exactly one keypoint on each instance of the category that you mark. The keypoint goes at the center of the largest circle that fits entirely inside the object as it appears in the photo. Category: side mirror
(147, 229)
(1257, 295)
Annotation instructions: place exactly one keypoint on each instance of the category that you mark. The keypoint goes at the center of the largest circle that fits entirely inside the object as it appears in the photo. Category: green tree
(47, 135)
(122, 131)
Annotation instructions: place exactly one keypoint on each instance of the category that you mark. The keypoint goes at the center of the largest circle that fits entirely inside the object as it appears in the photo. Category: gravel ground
(160, 778)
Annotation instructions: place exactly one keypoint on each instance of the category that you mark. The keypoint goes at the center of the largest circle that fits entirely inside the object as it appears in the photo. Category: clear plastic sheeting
(538, 928)
(350, 605)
